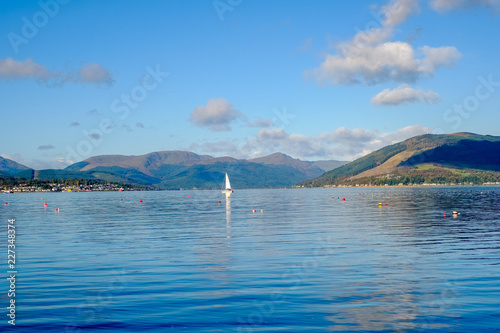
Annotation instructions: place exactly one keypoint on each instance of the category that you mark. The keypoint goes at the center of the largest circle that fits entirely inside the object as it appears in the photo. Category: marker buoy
(444, 214)
(140, 200)
(343, 199)
(6, 203)
(253, 210)
(380, 204)
(455, 213)
(219, 201)
(188, 196)
(262, 211)
(45, 204)
(121, 199)
(57, 209)
(386, 204)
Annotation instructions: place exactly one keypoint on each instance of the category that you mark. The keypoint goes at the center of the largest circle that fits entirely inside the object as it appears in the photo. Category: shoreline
(270, 188)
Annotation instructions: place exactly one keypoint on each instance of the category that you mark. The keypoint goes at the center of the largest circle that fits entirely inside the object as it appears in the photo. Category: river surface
(304, 261)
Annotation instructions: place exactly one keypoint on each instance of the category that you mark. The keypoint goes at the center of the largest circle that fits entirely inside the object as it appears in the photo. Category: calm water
(181, 262)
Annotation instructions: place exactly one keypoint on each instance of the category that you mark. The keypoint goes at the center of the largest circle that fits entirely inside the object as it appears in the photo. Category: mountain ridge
(183, 169)
(428, 157)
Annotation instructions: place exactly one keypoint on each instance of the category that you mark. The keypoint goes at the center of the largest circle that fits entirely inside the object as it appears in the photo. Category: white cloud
(398, 11)
(341, 144)
(11, 69)
(216, 115)
(260, 122)
(370, 57)
(436, 57)
(92, 73)
(405, 94)
(447, 5)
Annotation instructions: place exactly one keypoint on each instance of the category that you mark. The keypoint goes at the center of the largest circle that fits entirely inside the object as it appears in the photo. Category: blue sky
(315, 80)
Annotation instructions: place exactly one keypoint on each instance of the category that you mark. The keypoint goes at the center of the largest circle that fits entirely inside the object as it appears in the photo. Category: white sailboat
(227, 188)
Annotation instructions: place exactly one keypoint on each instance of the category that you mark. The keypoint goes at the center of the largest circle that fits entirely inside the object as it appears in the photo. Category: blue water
(181, 262)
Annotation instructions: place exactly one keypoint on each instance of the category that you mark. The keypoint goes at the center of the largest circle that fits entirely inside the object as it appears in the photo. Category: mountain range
(430, 158)
(181, 169)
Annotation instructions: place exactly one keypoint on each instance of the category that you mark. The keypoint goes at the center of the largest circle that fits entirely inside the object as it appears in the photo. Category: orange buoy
(121, 199)
(386, 204)
(253, 211)
(219, 201)
(444, 214)
(140, 200)
(343, 199)
(45, 204)
(6, 203)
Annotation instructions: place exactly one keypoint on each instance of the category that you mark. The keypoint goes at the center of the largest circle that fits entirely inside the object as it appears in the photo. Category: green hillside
(9, 168)
(403, 163)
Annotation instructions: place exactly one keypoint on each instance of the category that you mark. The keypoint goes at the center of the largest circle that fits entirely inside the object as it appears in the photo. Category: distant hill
(457, 158)
(9, 168)
(181, 169)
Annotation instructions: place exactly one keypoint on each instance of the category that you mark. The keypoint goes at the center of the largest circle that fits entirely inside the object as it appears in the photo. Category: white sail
(227, 188)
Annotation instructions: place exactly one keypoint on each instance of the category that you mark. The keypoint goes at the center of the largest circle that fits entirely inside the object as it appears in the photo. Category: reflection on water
(265, 260)
(228, 217)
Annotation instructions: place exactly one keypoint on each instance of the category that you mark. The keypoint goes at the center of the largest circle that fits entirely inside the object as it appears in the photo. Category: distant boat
(227, 188)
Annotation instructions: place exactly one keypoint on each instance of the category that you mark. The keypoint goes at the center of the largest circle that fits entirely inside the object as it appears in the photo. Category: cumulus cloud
(74, 124)
(216, 115)
(139, 125)
(11, 69)
(92, 73)
(370, 57)
(260, 122)
(341, 144)
(405, 94)
(447, 5)
(45, 147)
